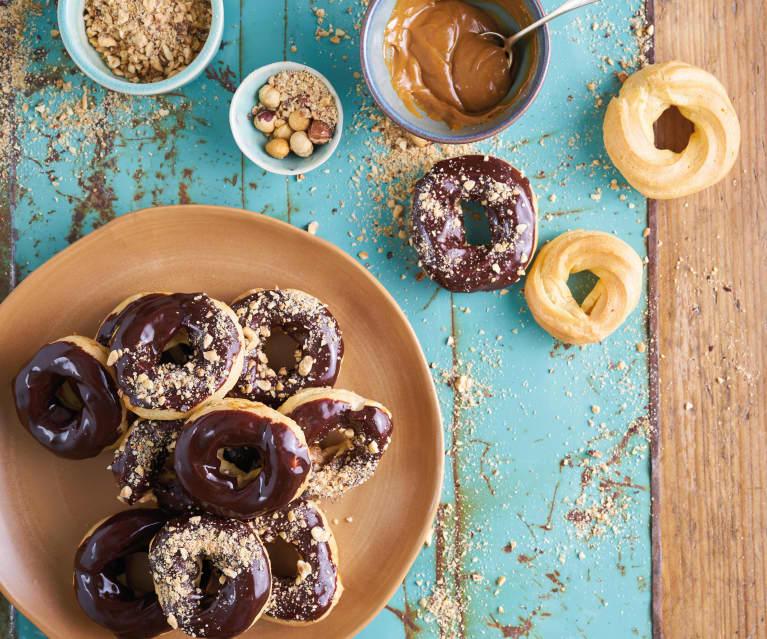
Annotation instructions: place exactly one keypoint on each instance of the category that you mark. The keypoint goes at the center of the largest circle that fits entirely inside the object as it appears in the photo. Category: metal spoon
(510, 41)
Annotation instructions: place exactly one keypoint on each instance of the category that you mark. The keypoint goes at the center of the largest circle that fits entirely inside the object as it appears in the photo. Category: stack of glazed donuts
(234, 454)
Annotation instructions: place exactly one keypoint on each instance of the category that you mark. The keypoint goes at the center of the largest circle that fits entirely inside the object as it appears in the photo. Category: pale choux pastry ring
(630, 141)
(614, 296)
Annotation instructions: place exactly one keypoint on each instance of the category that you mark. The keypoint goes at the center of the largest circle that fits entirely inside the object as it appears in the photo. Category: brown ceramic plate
(48, 503)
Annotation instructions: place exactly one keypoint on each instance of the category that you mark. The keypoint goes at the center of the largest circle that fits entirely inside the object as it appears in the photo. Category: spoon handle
(569, 5)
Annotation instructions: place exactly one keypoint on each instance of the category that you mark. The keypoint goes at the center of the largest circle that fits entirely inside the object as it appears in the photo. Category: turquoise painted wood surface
(544, 526)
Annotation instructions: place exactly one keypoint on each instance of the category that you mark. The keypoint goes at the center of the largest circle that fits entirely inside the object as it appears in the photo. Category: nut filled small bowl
(253, 142)
(72, 29)
(531, 62)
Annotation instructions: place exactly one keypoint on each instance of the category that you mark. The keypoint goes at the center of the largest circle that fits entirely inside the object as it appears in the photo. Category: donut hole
(133, 571)
(673, 130)
(475, 224)
(244, 463)
(580, 285)
(333, 445)
(178, 350)
(211, 581)
(282, 350)
(284, 558)
(67, 394)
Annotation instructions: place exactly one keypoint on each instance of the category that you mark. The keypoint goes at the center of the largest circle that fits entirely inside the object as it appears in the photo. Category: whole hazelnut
(283, 132)
(277, 148)
(269, 96)
(301, 145)
(264, 121)
(298, 120)
(319, 132)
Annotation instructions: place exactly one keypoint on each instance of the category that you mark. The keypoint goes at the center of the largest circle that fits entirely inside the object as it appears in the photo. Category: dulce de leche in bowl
(439, 61)
(430, 69)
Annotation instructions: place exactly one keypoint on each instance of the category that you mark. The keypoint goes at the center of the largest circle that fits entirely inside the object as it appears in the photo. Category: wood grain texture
(712, 300)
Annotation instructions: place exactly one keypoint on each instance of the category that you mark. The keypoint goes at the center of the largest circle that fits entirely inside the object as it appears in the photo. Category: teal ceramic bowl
(531, 64)
(72, 29)
(252, 142)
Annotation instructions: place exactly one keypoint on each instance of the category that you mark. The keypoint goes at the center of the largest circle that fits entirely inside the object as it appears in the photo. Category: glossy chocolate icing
(305, 319)
(310, 598)
(110, 323)
(178, 556)
(170, 494)
(100, 560)
(372, 428)
(439, 236)
(140, 458)
(71, 433)
(144, 330)
(283, 456)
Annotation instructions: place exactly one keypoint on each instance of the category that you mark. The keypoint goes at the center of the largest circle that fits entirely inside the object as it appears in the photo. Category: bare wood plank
(712, 308)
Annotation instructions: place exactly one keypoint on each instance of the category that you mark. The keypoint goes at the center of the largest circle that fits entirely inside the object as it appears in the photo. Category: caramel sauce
(440, 65)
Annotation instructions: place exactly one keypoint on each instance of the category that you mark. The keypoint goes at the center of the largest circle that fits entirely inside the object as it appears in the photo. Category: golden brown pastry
(630, 141)
(614, 296)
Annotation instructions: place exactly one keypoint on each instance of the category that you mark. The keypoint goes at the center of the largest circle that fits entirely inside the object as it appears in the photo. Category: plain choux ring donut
(614, 296)
(630, 141)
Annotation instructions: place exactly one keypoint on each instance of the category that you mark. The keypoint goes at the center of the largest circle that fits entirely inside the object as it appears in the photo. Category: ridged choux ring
(630, 141)
(615, 295)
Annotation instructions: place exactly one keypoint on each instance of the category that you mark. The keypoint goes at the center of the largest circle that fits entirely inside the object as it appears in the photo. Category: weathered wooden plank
(713, 278)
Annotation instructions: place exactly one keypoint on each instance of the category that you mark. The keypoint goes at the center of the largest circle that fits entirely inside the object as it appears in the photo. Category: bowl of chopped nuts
(142, 47)
(286, 117)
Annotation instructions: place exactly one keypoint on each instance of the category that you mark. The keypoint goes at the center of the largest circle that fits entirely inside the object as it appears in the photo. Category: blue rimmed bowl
(72, 30)
(531, 65)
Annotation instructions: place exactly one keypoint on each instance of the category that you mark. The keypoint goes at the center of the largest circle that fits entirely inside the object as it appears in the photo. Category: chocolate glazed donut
(67, 398)
(211, 575)
(100, 560)
(307, 320)
(141, 455)
(347, 436)
(439, 236)
(310, 594)
(270, 469)
(157, 389)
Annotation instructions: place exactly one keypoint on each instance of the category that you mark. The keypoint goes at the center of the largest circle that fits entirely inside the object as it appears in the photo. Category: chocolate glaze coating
(283, 456)
(143, 332)
(305, 319)
(99, 561)
(439, 236)
(372, 428)
(110, 323)
(141, 456)
(75, 434)
(310, 596)
(176, 558)
(171, 496)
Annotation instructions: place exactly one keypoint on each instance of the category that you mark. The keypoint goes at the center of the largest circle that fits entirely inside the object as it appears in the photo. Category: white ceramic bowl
(72, 30)
(252, 142)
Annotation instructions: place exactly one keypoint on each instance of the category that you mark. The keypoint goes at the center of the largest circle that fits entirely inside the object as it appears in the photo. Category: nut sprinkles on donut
(212, 575)
(141, 456)
(347, 436)
(439, 236)
(311, 587)
(304, 318)
(157, 389)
